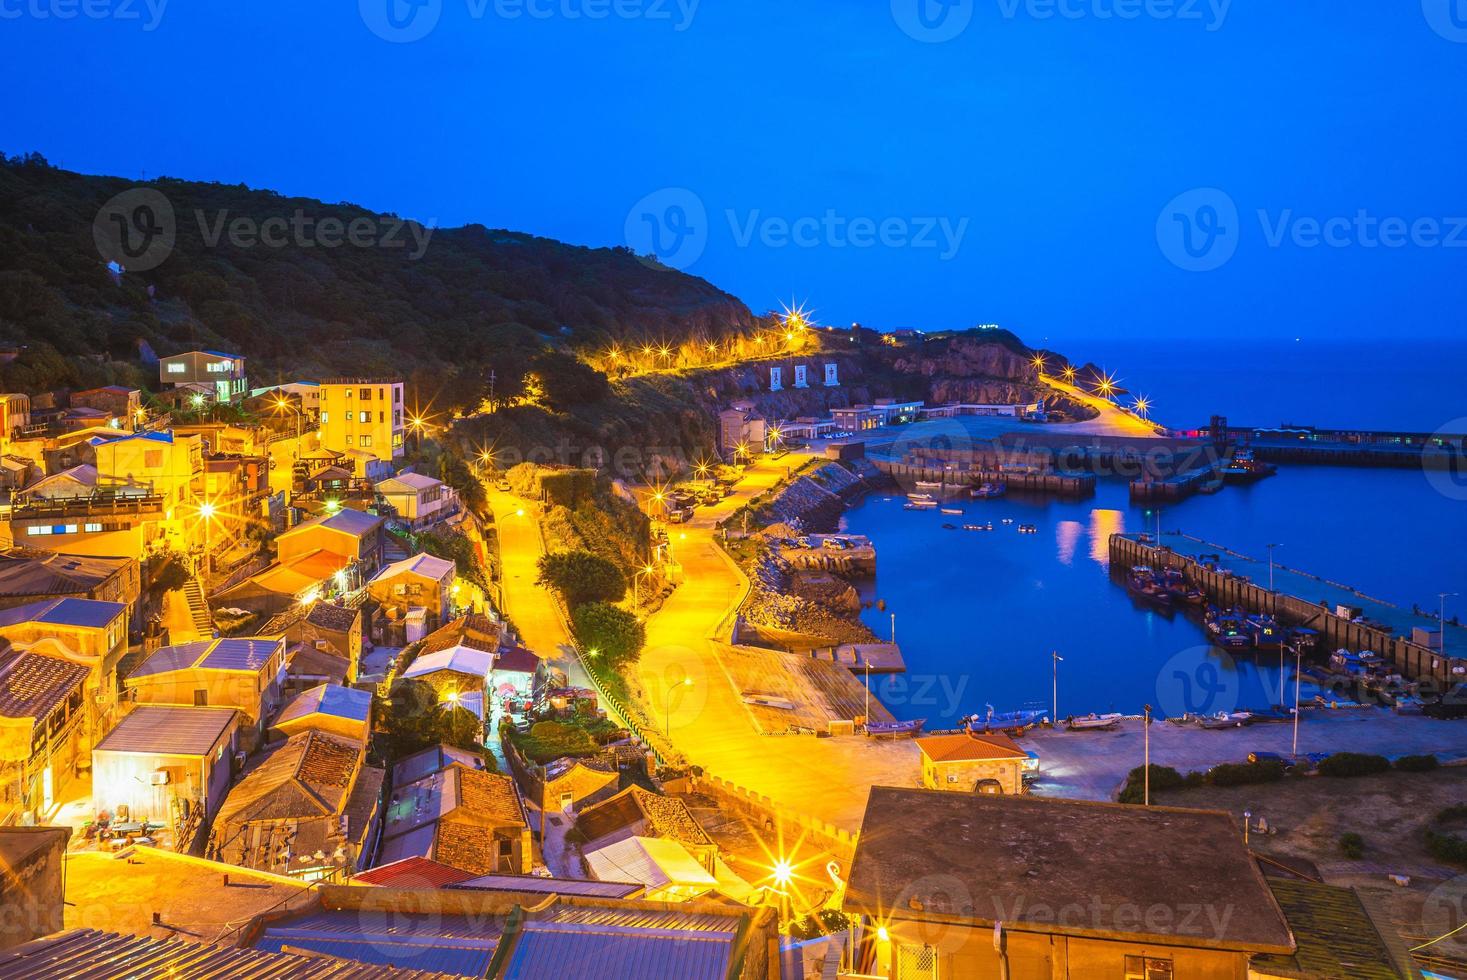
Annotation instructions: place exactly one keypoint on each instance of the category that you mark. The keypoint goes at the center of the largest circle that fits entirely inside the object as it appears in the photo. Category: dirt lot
(1391, 811)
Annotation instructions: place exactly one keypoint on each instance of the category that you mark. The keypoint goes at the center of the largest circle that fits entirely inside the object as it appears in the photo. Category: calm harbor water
(978, 613)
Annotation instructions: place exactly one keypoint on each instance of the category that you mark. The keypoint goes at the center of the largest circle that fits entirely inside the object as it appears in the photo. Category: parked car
(1265, 757)
(502, 486)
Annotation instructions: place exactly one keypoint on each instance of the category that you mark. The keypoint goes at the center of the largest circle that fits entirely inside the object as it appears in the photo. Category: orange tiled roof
(970, 748)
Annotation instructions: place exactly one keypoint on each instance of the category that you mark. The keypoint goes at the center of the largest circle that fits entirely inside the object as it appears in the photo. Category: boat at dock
(1142, 583)
(1176, 586)
(920, 503)
(988, 491)
(1245, 468)
(1227, 629)
(1027, 529)
(1093, 722)
(1267, 633)
(1005, 721)
(1225, 719)
(894, 729)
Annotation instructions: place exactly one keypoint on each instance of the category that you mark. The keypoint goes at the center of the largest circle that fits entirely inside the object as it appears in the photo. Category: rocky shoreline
(801, 605)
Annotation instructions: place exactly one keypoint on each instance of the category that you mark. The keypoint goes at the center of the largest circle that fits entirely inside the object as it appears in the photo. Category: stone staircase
(395, 550)
(198, 608)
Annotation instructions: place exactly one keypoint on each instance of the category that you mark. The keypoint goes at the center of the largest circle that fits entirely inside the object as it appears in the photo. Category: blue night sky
(1053, 144)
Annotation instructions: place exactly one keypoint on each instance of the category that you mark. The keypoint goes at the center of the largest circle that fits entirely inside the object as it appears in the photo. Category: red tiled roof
(970, 748)
(413, 872)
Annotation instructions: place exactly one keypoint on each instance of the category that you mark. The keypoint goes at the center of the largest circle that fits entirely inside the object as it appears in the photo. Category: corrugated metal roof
(329, 699)
(413, 872)
(32, 684)
(541, 952)
(429, 761)
(354, 522)
(649, 861)
(395, 953)
(83, 613)
(86, 954)
(534, 885)
(164, 730)
(242, 654)
(460, 660)
(421, 564)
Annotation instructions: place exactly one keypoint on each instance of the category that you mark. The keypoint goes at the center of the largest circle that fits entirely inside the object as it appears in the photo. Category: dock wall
(1411, 660)
(1069, 486)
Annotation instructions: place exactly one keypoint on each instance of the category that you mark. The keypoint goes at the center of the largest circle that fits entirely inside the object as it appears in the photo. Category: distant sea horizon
(1406, 386)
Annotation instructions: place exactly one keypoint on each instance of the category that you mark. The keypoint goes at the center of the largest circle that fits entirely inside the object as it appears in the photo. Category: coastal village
(277, 702)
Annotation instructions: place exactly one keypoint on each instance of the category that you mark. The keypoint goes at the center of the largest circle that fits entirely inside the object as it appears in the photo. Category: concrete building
(964, 884)
(741, 431)
(365, 421)
(218, 376)
(343, 712)
(244, 674)
(462, 817)
(307, 810)
(970, 763)
(31, 576)
(44, 730)
(123, 406)
(420, 500)
(15, 417)
(420, 582)
(357, 537)
(167, 764)
(31, 890)
(326, 630)
(90, 632)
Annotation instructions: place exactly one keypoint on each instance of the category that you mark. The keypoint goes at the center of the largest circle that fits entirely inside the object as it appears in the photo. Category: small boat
(1142, 583)
(920, 505)
(1245, 468)
(877, 729)
(1093, 722)
(1008, 520)
(988, 491)
(949, 527)
(920, 496)
(951, 510)
(1225, 719)
(929, 485)
(991, 720)
(1227, 629)
(1176, 586)
(1028, 529)
(1267, 633)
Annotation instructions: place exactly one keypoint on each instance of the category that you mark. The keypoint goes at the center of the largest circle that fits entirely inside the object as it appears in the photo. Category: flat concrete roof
(1063, 867)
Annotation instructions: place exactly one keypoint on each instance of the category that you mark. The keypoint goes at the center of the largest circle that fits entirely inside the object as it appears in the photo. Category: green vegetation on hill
(477, 300)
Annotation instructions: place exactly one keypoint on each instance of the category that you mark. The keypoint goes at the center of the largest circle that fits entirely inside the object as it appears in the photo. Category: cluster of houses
(227, 802)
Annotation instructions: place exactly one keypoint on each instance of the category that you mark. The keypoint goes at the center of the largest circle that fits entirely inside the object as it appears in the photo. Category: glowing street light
(1069, 372)
(206, 513)
(784, 872)
(1038, 362)
(1142, 407)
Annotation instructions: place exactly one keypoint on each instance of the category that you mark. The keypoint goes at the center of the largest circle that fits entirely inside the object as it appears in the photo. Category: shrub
(582, 577)
(547, 741)
(615, 634)
(1446, 847)
(1246, 773)
(1352, 845)
(1347, 765)
(171, 573)
(1162, 777)
(1417, 763)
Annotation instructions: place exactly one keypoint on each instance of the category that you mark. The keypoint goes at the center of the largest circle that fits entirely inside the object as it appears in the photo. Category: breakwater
(1226, 588)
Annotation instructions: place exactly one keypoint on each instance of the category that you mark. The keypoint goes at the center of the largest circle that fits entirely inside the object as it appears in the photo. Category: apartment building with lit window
(218, 376)
(365, 421)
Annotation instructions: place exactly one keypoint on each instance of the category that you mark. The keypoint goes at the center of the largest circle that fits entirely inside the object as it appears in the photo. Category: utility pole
(893, 629)
(1057, 660)
(1146, 732)
(1298, 666)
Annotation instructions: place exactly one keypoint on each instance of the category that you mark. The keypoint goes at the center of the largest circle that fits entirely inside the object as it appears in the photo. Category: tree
(416, 718)
(615, 634)
(567, 381)
(582, 577)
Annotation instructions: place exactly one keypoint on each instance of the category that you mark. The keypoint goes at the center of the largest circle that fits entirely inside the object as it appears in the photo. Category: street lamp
(1298, 669)
(1057, 660)
(1270, 548)
(1441, 623)
(1146, 768)
(637, 597)
(206, 511)
(667, 705)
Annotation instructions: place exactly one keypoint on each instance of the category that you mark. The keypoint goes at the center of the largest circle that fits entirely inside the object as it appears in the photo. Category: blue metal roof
(236, 654)
(329, 699)
(611, 956)
(454, 944)
(80, 613)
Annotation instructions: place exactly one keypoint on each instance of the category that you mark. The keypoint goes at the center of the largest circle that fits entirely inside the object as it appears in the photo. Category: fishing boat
(878, 729)
(1093, 722)
(1028, 529)
(1224, 719)
(1303, 639)
(988, 491)
(928, 504)
(991, 720)
(1008, 520)
(977, 527)
(920, 496)
(1267, 633)
(1176, 586)
(1226, 629)
(1245, 468)
(1142, 583)
(951, 510)
(929, 485)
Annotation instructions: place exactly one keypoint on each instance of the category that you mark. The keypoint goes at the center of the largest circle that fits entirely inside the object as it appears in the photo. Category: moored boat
(988, 491)
(1093, 722)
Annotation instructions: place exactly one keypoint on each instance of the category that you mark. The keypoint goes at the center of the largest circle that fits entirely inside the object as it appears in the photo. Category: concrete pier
(1218, 572)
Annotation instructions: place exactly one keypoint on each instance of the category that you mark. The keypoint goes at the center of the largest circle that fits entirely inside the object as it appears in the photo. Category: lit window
(93, 528)
(365, 442)
(325, 418)
(348, 441)
(364, 416)
(177, 368)
(38, 530)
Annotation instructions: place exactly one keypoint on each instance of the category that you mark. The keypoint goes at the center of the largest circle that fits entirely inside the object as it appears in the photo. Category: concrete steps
(198, 608)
